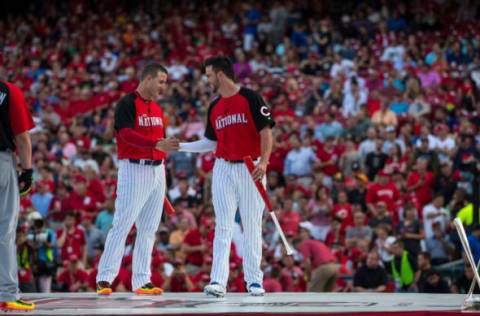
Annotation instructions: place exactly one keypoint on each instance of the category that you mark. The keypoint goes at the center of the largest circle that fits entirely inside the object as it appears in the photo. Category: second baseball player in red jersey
(239, 124)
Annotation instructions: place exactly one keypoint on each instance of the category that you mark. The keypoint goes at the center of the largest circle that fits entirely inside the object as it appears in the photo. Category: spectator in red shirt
(281, 111)
(289, 219)
(58, 207)
(343, 210)
(199, 278)
(80, 199)
(71, 240)
(235, 283)
(421, 182)
(95, 186)
(291, 274)
(131, 82)
(272, 283)
(158, 271)
(277, 158)
(179, 280)
(73, 279)
(329, 157)
(383, 190)
(196, 243)
(124, 275)
(335, 235)
(319, 262)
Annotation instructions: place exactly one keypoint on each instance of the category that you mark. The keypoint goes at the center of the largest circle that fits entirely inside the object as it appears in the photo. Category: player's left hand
(259, 171)
(25, 180)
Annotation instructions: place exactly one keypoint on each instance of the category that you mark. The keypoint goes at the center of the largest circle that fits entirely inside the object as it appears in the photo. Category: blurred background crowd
(377, 107)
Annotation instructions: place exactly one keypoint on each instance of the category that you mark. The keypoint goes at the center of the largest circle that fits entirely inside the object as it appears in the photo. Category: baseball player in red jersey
(239, 124)
(15, 123)
(139, 130)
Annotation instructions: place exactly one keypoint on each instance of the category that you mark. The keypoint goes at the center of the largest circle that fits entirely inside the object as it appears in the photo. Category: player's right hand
(25, 180)
(169, 144)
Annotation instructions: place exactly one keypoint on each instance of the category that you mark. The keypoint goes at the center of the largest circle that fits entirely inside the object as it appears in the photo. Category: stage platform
(284, 304)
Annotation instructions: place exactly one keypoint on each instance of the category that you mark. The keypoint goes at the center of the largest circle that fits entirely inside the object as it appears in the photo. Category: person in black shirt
(357, 194)
(424, 265)
(435, 284)
(462, 284)
(424, 152)
(188, 201)
(410, 230)
(370, 277)
(398, 251)
(445, 184)
(375, 160)
(380, 216)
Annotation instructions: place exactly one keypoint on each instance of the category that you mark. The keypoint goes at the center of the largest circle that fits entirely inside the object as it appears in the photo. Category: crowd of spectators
(377, 107)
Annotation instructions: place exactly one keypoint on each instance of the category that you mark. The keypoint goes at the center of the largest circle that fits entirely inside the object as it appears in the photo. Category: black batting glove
(25, 180)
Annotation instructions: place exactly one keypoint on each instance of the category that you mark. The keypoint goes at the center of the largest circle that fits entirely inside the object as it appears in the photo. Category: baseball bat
(468, 251)
(473, 284)
(168, 207)
(251, 166)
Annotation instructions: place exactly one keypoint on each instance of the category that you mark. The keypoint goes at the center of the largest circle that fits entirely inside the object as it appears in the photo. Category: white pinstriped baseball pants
(232, 189)
(140, 194)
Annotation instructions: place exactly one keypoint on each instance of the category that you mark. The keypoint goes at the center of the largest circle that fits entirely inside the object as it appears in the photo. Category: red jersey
(272, 285)
(95, 188)
(125, 278)
(423, 193)
(345, 213)
(289, 222)
(325, 155)
(144, 117)
(235, 123)
(72, 278)
(15, 118)
(194, 238)
(388, 194)
(236, 285)
(205, 162)
(86, 203)
(317, 252)
(178, 283)
(73, 243)
(277, 160)
(157, 279)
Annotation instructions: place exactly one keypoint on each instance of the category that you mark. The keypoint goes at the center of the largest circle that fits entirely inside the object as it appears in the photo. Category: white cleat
(256, 289)
(214, 289)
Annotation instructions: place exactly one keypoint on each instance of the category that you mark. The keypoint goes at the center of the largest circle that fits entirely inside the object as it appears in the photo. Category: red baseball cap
(383, 173)
(73, 258)
(157, 260)
(181, 174)
(206, 221)
(80, 178)
(86, 217)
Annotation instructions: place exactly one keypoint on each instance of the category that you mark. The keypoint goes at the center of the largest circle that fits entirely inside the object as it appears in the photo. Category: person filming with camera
(42, 240)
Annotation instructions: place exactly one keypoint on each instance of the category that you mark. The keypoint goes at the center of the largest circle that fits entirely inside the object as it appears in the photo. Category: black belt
(146, 162)
(237, 161)
(234, 161)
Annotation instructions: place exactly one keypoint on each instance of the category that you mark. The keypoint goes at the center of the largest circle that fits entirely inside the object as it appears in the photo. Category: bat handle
(282, 236)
